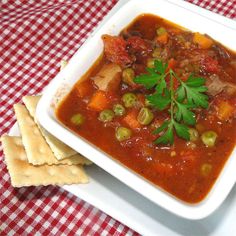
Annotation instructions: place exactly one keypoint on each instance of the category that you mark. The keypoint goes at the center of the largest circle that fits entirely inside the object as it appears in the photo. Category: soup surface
(160, 100)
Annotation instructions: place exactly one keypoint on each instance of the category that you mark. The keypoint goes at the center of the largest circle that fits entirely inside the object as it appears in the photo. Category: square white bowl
(184, 14)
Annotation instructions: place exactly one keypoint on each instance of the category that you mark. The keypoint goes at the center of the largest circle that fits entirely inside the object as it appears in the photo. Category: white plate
(130, 208)
(180, 13)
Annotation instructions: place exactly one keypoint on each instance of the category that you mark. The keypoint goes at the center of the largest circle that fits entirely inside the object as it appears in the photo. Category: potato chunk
(109, 77)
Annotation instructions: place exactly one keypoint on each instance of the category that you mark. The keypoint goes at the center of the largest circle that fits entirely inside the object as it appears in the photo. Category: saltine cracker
(23, 173)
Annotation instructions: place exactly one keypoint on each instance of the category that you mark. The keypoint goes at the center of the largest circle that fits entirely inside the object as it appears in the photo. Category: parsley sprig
(180, 102)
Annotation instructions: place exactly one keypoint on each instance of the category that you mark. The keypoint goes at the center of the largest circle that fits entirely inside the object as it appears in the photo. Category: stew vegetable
(162, 101)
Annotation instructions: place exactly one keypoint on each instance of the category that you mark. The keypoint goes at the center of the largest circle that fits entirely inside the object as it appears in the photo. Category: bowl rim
(46, 118)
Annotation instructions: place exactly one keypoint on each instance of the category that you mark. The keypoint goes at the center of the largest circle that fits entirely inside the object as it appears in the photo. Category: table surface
(34, 37)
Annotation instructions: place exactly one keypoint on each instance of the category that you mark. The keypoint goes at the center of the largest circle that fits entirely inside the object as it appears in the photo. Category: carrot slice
(163, 38)
(99, 101)
(131, 120)
(202, 40)
(225, 110)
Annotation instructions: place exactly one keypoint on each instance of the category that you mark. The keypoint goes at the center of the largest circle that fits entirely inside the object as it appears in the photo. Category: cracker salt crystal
(60, 150)
(23, 173)
(37, 150)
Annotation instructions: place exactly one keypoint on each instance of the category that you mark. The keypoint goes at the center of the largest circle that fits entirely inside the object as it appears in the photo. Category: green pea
(77, 119)
(106, 115)
(209, 138)
(119, 110)
(128, 76)
(206, 169)
(193, 133)
(129, 99)
(145, 116)
(160, 31)
(150, 62)
(123, 133)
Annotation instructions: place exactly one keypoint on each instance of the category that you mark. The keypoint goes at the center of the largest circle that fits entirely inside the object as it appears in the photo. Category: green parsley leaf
(153, 77)
(180, 93)
(182, 130)
(194, 90)
(160, 67)
(195, 81)
(161, 86)
(167, 137)
(195, 96)
(160, 101)
(162, 127)
(184, 113)
(180, 102)
(148, 80)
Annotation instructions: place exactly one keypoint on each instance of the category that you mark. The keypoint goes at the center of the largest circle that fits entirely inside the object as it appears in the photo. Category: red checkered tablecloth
(34, 37)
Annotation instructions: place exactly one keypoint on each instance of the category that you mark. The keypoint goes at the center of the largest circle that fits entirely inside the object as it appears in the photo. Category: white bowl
(184, 14)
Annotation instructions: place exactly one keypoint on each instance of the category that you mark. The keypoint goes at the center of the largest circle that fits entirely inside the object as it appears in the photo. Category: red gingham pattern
(224, 7)
(34, 37)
